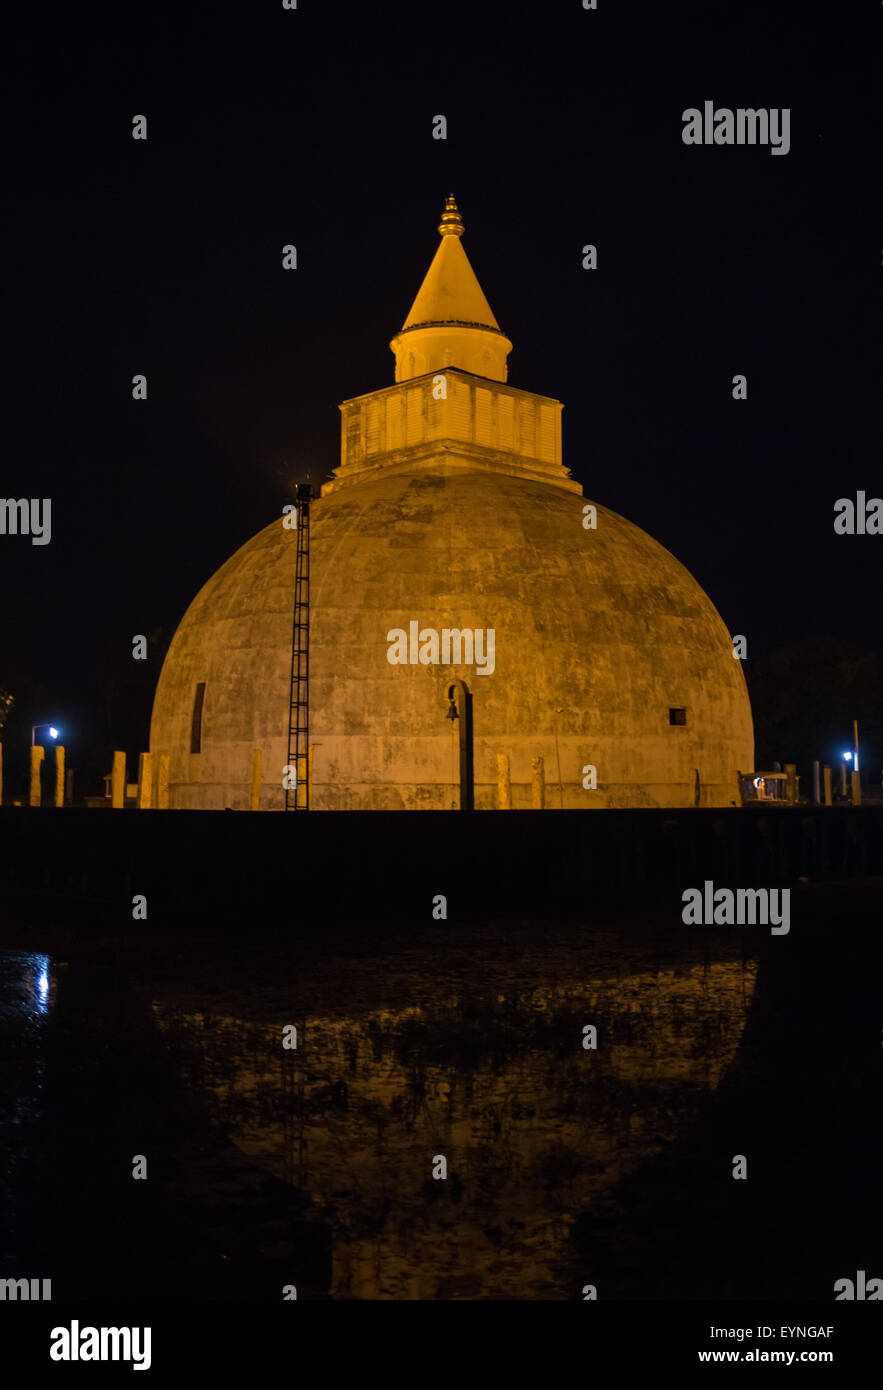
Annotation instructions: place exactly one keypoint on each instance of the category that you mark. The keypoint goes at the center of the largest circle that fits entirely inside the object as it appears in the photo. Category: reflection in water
(27, 992)
(26, 989)
(492, 1076)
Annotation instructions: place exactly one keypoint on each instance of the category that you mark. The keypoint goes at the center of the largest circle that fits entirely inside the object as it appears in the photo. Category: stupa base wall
(201, 796)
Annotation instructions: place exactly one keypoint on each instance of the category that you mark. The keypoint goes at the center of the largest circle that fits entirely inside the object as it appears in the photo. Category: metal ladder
(297, 798)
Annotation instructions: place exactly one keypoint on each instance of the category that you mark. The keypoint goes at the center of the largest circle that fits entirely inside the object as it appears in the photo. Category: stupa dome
(452, 513)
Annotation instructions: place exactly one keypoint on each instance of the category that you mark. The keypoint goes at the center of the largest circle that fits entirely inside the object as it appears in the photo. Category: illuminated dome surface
(604, 625)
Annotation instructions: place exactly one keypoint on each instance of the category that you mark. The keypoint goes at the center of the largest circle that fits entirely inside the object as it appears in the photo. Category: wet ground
(440, 1130)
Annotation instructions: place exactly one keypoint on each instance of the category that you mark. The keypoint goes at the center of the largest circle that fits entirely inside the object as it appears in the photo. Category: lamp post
(460, 707)
(856, 779)
(53, 732)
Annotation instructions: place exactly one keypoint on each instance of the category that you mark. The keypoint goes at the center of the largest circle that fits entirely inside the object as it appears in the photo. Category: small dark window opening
(677, 716)
(196, 727)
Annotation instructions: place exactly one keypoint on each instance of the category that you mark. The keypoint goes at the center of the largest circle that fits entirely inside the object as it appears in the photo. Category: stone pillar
(59, 774)
(856, 788)
(538, 784)
(504, 783)
(826, 782)
(162, 782)
(35, 798)
(816, 782)
(257, 762)
(144, 781)
(118, 782)
(791, 784)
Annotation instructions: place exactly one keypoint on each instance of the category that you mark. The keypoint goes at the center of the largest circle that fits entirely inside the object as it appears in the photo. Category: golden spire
(450, 323)
(451, 223)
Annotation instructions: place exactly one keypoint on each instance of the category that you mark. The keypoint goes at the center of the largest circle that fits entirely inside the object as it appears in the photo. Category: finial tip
(451, 223)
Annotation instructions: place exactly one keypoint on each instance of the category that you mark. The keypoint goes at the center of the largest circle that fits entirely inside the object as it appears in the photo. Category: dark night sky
(314, 127)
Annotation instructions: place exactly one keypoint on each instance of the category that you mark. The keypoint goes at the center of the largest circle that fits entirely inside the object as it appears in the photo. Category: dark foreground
(215, 871)
(315, 1167)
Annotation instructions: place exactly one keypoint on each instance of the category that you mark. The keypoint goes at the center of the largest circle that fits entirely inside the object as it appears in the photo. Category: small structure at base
(768, 789)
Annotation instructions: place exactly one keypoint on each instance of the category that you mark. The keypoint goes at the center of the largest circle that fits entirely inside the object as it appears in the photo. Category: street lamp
(460, 707)
(844, 759)
(53, 732)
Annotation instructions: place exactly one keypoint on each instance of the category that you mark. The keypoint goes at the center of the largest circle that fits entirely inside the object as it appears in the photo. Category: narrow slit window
(196, 727)
(677, 716)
